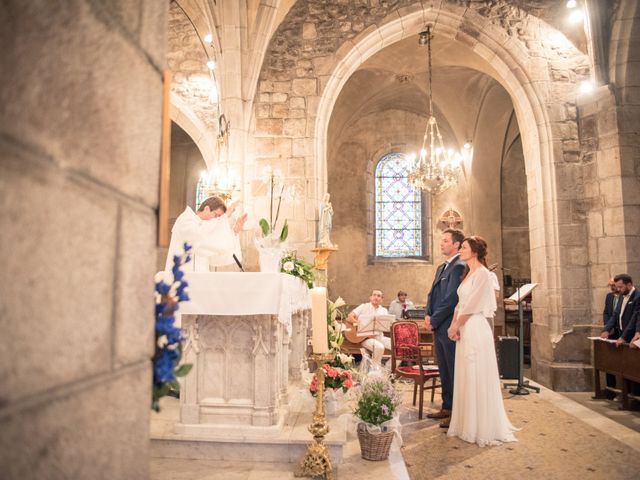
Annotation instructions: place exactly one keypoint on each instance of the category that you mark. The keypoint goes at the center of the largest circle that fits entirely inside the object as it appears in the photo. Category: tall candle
(320, 337)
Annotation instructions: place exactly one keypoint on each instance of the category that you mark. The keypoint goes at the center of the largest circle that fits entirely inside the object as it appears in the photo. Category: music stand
(375, 325)
(521, 293)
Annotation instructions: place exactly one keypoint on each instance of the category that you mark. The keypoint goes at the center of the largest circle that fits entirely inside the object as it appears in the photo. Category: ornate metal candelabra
(316, 462)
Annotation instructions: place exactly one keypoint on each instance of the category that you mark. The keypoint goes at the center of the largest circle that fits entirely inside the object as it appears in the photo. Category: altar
(245, 335)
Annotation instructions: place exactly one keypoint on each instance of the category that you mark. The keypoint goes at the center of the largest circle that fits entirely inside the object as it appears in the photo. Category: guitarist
(375, 344)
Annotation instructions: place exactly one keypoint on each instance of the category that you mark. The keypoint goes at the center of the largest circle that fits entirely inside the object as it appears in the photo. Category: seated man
(400, 305)
(375, 344)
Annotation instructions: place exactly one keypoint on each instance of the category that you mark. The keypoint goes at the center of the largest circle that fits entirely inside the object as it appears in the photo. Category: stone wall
(81, 90)
(354, 270)
(515, 219)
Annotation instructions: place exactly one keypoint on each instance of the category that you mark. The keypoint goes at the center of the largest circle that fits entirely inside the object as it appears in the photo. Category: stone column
(81, 96)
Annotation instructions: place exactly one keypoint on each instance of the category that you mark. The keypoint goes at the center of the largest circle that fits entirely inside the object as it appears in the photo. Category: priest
(214, 241)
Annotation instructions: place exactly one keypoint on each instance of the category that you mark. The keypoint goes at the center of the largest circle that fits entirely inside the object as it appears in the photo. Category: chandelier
(220, 181)
(436, 168)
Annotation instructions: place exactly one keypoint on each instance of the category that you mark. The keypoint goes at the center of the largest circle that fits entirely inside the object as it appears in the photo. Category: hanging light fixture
(220, 180)
(436, 168)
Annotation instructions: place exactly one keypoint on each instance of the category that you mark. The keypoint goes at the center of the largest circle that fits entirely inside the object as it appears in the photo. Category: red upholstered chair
(409, 359)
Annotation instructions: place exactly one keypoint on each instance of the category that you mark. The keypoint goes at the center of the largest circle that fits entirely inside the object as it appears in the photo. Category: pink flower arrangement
(335, 378)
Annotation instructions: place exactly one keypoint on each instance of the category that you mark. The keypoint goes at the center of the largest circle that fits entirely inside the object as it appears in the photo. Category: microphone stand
(522, 385)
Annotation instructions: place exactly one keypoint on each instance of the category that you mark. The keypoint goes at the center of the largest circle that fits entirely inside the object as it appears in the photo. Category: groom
(441, 302)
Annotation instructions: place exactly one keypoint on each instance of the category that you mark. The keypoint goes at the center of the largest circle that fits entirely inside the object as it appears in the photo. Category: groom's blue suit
(441, 302)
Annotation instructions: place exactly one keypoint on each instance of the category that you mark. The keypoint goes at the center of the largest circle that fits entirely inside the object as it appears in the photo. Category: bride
(478, 414)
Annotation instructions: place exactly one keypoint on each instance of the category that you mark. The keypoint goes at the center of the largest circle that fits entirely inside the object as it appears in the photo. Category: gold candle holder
(316, 462)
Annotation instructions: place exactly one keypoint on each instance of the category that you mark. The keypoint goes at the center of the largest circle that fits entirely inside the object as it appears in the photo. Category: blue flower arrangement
(170, 291)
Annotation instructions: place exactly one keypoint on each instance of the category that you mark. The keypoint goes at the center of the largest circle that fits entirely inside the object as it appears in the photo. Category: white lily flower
(339, 302)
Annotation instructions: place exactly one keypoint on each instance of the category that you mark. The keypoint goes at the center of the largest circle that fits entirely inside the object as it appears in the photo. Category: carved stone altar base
(240, 371)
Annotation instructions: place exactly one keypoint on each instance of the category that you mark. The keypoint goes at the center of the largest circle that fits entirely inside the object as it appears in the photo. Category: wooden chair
(409, 360)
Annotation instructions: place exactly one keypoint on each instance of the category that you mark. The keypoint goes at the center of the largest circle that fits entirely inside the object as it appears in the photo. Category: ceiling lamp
(436, 168)
(221, 181)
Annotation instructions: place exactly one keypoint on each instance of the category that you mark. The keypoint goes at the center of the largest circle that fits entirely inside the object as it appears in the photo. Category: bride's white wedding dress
(478, 414)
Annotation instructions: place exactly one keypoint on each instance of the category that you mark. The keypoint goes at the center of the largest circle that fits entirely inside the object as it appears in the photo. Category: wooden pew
(622, 361)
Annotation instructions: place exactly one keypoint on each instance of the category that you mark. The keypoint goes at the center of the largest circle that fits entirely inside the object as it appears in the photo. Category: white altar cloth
(245, 293)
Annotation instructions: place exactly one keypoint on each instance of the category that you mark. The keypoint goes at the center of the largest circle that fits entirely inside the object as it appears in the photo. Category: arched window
(202, 190)
(398, 210)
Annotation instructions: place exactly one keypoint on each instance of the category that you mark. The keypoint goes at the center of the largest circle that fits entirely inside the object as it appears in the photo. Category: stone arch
(511, 47)
(533, 117)
(184, 117)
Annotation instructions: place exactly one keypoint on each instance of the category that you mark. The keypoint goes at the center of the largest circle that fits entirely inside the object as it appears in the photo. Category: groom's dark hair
(456, 235)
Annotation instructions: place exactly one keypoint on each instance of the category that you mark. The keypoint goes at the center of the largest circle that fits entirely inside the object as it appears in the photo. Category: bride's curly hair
(478, 245)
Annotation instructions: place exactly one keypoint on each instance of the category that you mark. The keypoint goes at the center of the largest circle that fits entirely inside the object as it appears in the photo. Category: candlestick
(316, 462)
(320, 336)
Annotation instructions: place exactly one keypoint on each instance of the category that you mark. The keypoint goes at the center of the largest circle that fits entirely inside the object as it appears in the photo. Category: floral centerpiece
(377, 403)
(334, 378)
(276, 192)
(297, 267)
(169, 291)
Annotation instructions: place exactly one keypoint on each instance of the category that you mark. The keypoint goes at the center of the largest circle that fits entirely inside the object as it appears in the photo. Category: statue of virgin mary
(325, 222)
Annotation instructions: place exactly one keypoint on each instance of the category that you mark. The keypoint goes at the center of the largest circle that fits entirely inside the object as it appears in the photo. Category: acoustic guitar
(351, 334)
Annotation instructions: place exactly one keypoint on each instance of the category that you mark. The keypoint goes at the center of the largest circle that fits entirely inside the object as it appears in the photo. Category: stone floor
(352, 466)
(607, 408)
(557, 438)
(602, 415)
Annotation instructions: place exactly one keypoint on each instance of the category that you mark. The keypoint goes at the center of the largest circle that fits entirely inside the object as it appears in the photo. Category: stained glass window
(202, 189)
(398, 209)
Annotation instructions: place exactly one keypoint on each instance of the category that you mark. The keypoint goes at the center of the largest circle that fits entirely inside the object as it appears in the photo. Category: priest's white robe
(213, 241)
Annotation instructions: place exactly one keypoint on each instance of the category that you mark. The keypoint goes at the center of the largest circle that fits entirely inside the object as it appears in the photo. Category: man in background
(620, 327)
(610, 302)
(400, 305)
(378, 343)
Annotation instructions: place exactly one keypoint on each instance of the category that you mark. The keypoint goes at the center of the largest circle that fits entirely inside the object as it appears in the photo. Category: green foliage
(377, 401)
(264, 226)
(285, 232)
(297, 267)
(183, 370)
